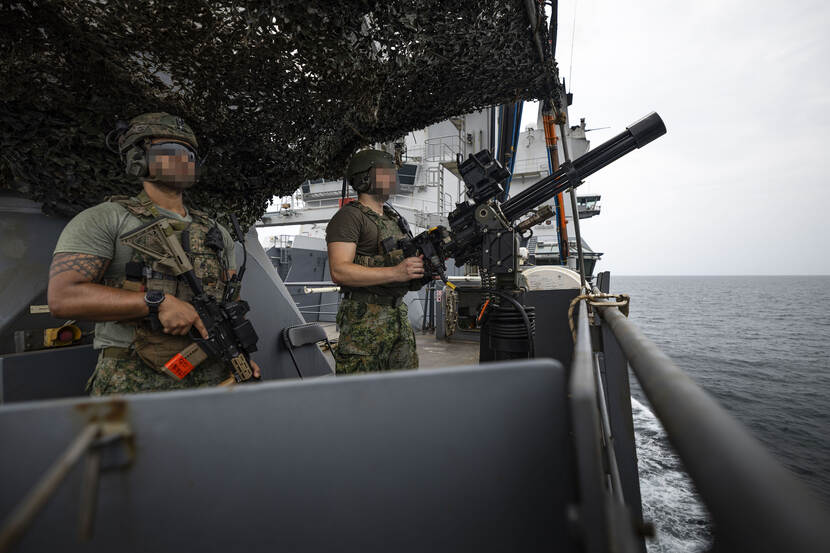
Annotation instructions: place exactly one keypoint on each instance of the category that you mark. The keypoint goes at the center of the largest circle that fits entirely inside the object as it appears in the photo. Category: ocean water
(759, 345)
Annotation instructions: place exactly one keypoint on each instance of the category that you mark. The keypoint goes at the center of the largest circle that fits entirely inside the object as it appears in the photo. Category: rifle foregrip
(242, 371)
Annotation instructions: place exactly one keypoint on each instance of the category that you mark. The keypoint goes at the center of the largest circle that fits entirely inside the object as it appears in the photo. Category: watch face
(154, 296)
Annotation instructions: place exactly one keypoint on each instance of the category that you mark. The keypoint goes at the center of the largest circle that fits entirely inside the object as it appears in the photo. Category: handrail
(451, 147)
(604, 519)
(755, 503)
(583, 394)
(608, 436)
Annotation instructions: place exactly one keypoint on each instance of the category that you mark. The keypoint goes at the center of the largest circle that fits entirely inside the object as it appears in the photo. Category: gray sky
(740, 184)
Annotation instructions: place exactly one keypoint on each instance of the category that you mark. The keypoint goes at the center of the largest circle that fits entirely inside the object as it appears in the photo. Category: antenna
(573, 33)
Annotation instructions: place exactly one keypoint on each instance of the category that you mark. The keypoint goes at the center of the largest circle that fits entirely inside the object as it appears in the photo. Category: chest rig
(201, 240)
(390, 228)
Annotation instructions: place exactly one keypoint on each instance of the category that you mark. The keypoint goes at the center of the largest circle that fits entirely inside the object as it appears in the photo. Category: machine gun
(231, 337)
(484, 231)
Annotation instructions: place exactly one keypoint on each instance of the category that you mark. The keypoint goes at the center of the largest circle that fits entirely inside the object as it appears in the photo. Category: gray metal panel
(29, 238)
(308, 265)
(553, 332)
(615, 373)
(618, 400)
(467, 459)
(46, 374)
(593, 512)
(272, 309)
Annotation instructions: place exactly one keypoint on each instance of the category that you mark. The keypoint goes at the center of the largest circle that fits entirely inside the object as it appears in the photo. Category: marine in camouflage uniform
(139, 368)
(133, 352)
(375, 333)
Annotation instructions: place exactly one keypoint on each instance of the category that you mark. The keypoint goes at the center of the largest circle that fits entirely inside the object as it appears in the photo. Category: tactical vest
(387, 228)
(143, 273)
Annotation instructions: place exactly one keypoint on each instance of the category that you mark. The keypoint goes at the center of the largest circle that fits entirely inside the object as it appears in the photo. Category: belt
(366, 297)
(116, 353)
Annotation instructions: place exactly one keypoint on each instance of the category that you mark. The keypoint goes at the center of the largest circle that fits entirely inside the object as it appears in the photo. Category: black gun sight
(483, 176)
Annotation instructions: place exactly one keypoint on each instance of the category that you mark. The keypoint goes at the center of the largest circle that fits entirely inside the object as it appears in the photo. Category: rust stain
(113, 410)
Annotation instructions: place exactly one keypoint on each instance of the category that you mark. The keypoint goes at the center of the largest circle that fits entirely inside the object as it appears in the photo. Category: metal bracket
(113, 450)
(107, 442)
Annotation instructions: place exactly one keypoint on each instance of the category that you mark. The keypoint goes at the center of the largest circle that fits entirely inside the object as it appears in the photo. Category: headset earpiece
(361, 184)
(114, 136)
(135, 161)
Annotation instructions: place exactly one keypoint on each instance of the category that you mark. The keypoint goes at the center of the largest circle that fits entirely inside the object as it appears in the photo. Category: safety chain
(622, 301)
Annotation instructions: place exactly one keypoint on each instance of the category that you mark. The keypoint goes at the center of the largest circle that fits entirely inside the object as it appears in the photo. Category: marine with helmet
(142, 313)
(375, 334)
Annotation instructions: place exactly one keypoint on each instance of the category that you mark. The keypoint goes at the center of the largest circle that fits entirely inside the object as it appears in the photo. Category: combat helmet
(132, 145)
(357, 172)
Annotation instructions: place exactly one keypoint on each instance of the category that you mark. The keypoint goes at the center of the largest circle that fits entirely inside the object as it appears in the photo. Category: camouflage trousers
(374, 338)
(130, 375)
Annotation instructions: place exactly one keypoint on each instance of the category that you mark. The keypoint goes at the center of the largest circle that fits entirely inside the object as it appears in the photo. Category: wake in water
(669, 501)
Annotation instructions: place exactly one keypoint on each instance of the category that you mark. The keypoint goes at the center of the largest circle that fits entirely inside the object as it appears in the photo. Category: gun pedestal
(508, 329)
(504, 335)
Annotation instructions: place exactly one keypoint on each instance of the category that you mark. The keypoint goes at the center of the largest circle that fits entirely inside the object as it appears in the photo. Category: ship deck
(432, 353)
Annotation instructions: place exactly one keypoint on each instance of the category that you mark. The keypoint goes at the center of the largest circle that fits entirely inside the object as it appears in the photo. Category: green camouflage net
(276, 92)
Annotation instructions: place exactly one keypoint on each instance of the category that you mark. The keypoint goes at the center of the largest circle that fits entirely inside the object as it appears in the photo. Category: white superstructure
(430, 185)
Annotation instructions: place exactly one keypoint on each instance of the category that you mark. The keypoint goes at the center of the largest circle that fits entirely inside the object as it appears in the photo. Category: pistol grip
(388, 245)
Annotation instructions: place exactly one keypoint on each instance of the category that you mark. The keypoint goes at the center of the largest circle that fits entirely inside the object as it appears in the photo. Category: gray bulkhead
(25, 255)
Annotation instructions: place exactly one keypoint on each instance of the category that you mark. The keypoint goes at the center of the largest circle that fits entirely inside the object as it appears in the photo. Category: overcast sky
(740, 184)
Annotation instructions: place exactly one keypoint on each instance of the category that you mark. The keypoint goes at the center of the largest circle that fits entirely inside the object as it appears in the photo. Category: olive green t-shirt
(349, 224)
(95, 231)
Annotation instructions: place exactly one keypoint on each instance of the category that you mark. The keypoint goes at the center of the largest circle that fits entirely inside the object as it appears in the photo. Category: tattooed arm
(75, 291)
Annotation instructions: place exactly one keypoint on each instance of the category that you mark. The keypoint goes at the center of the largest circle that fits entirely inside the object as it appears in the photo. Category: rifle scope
(571, 174)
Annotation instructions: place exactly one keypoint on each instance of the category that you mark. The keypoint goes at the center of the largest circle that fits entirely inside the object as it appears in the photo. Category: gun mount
(484, 231)
(484, 177)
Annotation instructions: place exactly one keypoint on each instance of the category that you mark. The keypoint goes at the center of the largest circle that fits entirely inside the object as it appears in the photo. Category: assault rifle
(231, 337)
(483, 231)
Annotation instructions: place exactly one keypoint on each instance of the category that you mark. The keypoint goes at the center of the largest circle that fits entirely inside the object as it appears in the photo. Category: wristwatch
(153, 299)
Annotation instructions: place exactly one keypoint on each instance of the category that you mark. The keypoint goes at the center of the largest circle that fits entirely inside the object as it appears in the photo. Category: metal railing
(755, 503)
(604, 516)
(443, 148)
(415, 153)
(416, 204)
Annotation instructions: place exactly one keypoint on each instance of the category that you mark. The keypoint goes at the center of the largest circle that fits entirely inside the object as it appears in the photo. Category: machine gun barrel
(635, 136)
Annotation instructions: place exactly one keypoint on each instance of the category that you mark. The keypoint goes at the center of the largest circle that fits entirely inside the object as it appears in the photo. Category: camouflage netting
(277, 92)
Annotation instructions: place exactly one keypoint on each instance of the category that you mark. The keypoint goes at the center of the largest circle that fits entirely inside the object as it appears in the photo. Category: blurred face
(172, 163)
(384, 181)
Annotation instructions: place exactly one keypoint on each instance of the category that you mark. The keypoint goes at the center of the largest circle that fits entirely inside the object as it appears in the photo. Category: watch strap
(153, 306)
